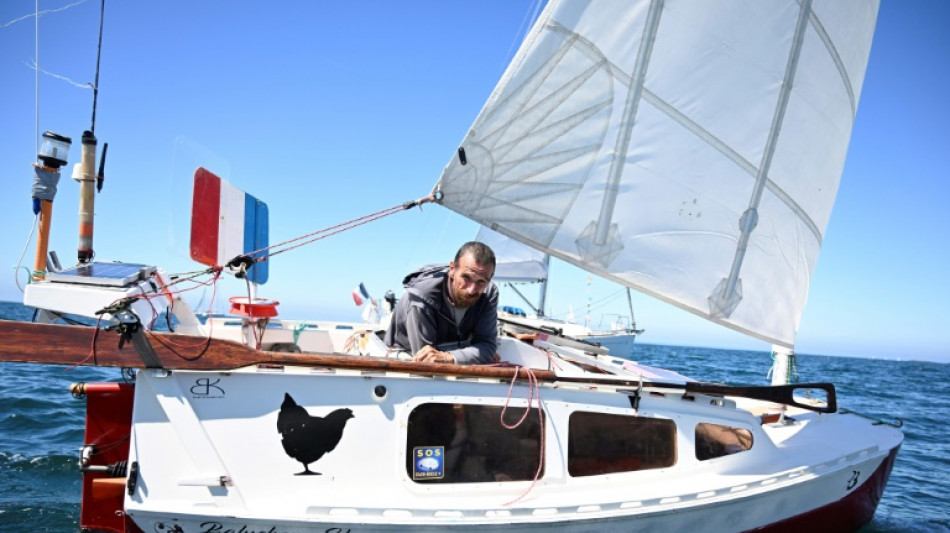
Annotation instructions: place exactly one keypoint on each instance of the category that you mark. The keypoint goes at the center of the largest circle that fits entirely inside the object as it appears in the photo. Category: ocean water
(41, 428)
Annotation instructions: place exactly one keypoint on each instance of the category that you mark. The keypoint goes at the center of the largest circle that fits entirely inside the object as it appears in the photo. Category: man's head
(470, 273)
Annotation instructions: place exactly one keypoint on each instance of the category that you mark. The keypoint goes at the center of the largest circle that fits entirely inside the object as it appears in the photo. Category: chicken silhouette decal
(307, 438)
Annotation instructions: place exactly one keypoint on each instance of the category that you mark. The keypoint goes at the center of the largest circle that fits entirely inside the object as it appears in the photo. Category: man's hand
(429, 354)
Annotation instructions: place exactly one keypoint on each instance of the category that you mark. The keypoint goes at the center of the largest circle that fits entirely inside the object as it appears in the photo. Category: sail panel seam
(839, 64)
(719, 145)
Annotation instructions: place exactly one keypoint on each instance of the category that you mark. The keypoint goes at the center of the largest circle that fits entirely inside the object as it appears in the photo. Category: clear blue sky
(331, 110)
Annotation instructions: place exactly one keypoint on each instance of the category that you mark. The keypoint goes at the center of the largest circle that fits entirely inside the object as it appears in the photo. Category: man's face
(467, 281)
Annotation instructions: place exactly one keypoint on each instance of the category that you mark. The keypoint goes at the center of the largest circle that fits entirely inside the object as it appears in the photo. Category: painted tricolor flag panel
(226, 222)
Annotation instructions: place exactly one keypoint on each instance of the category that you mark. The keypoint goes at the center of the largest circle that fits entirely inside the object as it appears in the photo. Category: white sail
(689, 149)
(515, 262)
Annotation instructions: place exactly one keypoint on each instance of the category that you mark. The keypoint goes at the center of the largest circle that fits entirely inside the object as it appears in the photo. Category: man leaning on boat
(449, 313)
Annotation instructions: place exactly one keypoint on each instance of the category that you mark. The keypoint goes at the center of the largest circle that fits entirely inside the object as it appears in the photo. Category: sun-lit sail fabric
(515, 262)
(690, 149)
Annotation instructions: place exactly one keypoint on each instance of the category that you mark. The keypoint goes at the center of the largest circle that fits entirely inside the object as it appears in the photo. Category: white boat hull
(191, 430)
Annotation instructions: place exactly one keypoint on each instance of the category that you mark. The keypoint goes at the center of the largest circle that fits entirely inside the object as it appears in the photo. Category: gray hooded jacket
(423, 316)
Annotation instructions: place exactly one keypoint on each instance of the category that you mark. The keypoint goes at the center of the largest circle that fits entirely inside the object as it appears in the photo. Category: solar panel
(102, 274)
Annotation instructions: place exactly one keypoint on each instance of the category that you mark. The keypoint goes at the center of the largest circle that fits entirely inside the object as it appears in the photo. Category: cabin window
(601, 443)
(713, 440)
(455, 443)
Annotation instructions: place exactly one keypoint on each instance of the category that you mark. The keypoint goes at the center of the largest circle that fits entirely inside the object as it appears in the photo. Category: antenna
(95, 86)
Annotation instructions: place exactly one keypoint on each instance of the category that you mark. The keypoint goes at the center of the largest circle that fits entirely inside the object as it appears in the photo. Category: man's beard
(465, 301)
(461, 299)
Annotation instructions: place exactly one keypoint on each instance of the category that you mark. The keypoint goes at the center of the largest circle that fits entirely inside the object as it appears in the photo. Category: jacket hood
(426, 274)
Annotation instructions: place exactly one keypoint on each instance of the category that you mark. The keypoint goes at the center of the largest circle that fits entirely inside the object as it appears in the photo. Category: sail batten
(627, 123)
(727, 295)
(690, 150)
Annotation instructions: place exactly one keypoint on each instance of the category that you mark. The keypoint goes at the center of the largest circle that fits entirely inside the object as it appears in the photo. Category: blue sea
(41, 428)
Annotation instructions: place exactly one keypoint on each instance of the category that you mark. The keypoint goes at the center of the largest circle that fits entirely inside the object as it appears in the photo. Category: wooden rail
(28, 342)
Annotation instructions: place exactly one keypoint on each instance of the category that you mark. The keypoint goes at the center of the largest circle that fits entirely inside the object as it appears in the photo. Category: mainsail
(691, 150)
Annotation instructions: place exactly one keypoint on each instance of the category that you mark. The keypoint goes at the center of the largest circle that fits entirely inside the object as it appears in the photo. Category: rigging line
(527, 23)
(37, 13)
(36, 75)
(168, 342)
(321, 237)
(36, 67)
(338, 228)
(191, 277)
(23, 254)
(343, 225)
(95, 86)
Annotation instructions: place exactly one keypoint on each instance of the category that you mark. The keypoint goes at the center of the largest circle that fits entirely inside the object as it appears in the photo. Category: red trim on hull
(108, 427)
(845, 515)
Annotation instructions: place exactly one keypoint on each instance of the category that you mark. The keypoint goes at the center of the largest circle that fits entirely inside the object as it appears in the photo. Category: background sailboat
(520, 264)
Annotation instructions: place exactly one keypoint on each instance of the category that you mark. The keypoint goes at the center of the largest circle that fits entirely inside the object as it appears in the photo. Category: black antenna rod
(95, 87)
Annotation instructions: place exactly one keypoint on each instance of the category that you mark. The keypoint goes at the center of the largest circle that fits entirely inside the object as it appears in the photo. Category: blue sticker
(428, 462)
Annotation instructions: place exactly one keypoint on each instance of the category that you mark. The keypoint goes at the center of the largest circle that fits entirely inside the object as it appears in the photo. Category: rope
(791, 369)
(298, 329)
(36, 83)
(534, 394)
(216, 272)
(19, 262)
(167, 343)
(335, 229)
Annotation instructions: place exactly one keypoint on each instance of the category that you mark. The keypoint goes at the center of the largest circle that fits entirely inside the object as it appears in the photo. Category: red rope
(168, 343)
(534, 393)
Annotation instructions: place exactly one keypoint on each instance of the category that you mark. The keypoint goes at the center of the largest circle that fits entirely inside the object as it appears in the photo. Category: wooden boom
(27, 342)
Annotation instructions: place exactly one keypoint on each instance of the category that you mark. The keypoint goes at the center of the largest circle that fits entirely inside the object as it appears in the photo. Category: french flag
(226, 222)
(360, 295)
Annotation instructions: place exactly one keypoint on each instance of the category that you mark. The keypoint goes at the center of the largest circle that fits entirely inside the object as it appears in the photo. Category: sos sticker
(428, 462)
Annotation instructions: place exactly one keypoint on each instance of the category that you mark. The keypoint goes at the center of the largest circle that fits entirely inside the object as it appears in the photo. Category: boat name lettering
(855, 475)
(218, 527)
(205, 388)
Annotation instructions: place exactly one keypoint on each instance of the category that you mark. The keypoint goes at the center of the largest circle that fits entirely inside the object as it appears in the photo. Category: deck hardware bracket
(85, 454)
(635, 397)
(130, 329)
(133, 477)
(635, 400)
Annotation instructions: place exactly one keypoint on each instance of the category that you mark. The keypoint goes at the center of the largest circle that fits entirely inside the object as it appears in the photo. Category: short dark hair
(480, 252)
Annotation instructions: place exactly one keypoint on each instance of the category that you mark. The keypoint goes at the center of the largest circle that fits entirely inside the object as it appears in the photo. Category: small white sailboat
(520, 264)
(690, 150)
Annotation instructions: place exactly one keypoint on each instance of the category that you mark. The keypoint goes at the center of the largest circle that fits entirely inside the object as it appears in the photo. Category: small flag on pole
(360, 294)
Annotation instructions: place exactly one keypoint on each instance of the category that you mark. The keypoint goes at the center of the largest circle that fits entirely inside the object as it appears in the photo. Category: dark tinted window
(600, 443)
(454, 443)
